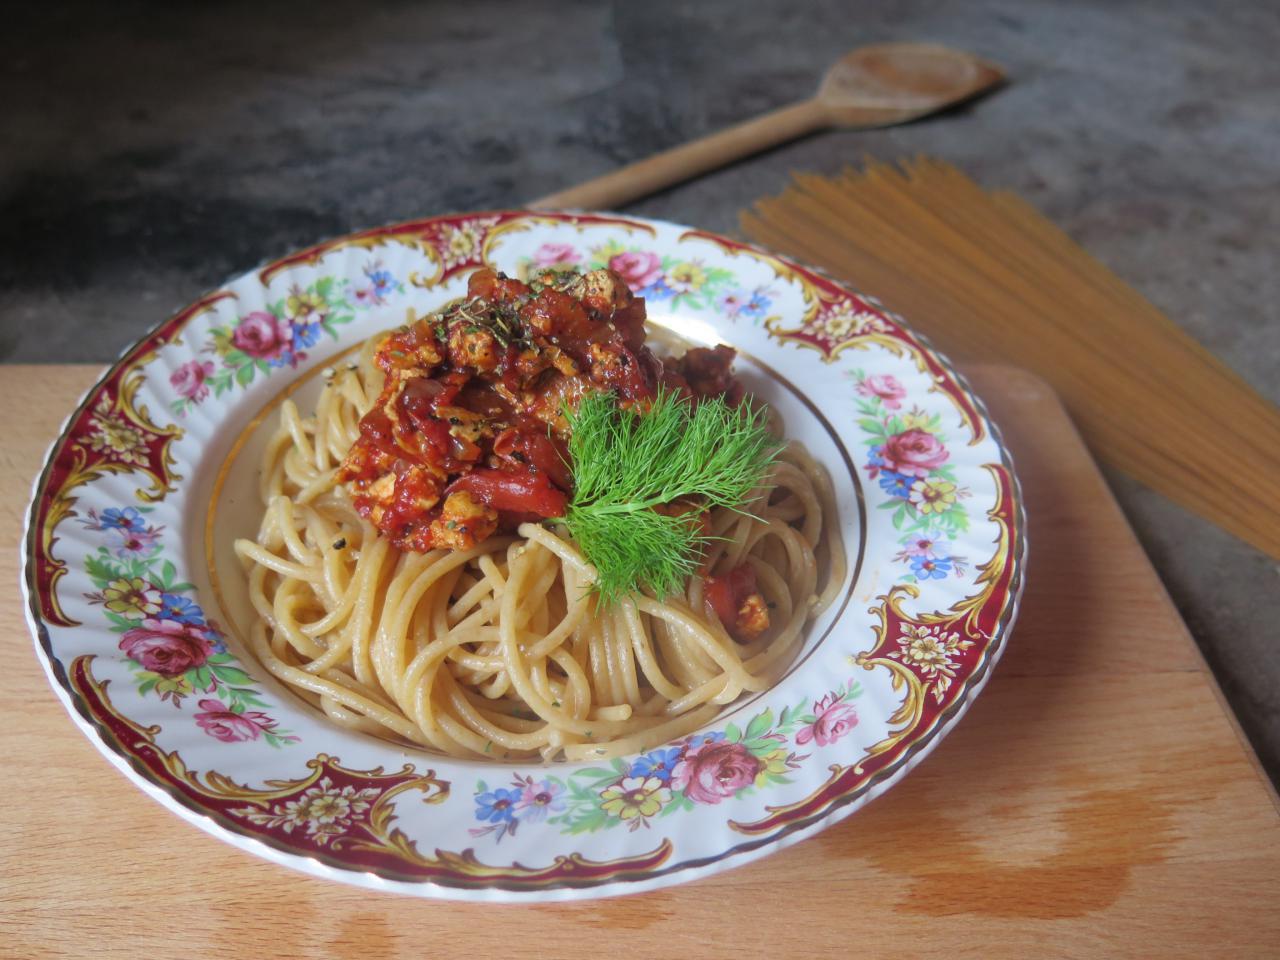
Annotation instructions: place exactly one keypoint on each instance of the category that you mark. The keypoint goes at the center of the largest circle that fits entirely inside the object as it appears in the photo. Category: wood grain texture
(1096, 801)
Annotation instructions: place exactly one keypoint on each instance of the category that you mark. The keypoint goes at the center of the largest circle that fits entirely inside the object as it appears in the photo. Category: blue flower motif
(383, 282)
(931, 568)
(128, 519)
(896, 484)
(757, 305)
(875, 462)
(658, 290)
(287, 357)
(180, 609)
(658, 763)
(305, 334)
(698, 739)
(497, 806)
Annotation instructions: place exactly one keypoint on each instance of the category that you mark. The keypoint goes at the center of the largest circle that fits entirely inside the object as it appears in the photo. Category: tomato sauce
(469, 436)
(735, 599)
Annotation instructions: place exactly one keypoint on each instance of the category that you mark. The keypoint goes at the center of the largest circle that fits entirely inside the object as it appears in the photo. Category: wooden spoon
(874, 86)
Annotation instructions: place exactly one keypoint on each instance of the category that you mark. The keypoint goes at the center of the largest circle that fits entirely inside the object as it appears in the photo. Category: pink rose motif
(229, 726)
(167, 647)
(833, 720)
(913, 453)
(886, 387)
(260, 335)
(555, 255)
(189, 379)
(715, 770)
(639, 268)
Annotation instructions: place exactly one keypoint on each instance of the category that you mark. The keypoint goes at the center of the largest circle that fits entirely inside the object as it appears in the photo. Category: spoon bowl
(895, 82)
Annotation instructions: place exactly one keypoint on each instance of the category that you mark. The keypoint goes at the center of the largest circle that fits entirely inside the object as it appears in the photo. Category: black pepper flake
(340, 543)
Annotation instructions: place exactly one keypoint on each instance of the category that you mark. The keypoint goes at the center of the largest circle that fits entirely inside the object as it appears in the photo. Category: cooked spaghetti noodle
(502, 649)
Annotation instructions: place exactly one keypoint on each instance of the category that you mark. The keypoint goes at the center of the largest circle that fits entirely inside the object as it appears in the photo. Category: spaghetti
(501, 648)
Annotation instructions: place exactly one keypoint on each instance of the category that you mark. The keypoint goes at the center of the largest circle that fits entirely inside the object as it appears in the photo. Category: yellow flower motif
(915, 419)
(635, 797)
(177, 687)
(841, 323)
(929, 651)
(462, 243)
(606, 252)
(326, 804)
(919, 649)
(325, 808)
(119, 440)
(775, 763)
(686, 277)
(133, 595)
(844, 322)
(932, 496)
(302, 304)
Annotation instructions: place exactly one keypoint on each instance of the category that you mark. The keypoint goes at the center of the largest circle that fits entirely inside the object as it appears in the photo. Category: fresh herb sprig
(625, 464)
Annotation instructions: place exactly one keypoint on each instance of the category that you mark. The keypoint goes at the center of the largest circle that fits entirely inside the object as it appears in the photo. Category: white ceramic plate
(137, 606)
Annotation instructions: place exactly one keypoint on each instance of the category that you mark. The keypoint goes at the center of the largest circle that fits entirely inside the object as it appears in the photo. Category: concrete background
(149, 151)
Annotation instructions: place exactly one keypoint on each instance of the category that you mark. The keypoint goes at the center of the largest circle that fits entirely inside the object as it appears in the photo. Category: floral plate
(137, 609)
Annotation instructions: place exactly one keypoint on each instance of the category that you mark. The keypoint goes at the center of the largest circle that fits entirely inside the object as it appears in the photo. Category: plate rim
(326, 867)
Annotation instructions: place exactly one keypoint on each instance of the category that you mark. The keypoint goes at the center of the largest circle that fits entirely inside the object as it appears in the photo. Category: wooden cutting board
(1098, 800)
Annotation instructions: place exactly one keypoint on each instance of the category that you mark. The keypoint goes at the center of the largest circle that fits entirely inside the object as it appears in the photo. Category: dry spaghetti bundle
(986, 277)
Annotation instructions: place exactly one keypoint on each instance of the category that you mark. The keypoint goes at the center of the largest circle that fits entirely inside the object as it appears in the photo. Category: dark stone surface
(151, 151)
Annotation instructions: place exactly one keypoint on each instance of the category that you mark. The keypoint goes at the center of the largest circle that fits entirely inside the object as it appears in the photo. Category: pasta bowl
(135, 601)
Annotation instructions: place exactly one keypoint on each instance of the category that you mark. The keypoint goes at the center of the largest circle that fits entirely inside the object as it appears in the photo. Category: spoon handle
(639, 179)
